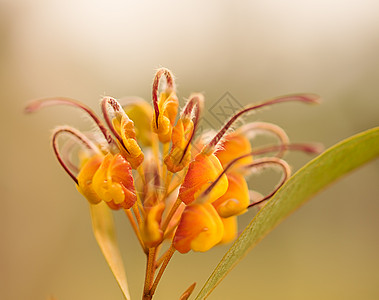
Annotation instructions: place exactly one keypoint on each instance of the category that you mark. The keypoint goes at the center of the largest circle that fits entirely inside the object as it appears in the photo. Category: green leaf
(104, 230)
(313, 177)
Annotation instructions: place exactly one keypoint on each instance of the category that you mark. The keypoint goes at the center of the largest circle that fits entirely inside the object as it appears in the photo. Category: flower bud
(167, 110)
(150, 230)
(141, 113)
(180, 153)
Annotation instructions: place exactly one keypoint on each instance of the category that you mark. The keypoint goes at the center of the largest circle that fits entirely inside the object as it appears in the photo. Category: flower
(143, 163)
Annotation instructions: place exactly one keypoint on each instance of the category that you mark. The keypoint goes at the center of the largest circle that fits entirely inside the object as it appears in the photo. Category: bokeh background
(252, 49)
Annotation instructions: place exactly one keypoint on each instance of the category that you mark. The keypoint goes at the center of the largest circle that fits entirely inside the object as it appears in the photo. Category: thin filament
(308, 148)
(45, 102)
(196, 102)
(78, 135)
(306, 98)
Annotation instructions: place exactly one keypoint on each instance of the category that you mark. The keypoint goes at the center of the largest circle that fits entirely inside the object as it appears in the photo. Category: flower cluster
(171, 185)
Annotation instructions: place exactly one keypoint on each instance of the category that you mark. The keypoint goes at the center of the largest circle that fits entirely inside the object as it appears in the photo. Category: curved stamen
(196, 101)
(304, 147)
(45, 102)
(308, 148)
(273, 160)
(170, 86)
(306, 98)
(261, 162)
(117, 108)
(77, 134)
(269, 127)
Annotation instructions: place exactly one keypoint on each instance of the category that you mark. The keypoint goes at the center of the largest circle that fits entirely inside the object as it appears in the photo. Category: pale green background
(253, 49)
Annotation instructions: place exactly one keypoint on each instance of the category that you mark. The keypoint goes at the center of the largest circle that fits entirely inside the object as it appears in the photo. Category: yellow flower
(85, 178)
(166, 108)
(236, 199)
(113, 182)
(143, 162)
(200, 228)
(201, 174)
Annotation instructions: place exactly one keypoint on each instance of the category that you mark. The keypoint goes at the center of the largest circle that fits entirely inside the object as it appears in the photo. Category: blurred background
(253, 50)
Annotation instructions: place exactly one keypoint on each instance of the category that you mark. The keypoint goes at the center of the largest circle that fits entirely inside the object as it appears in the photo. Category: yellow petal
(85, 178)
(200, 229)
(236, 199)
(141, 113)
(113, 182)
(150, 230)
(230, 229)
(168, 109)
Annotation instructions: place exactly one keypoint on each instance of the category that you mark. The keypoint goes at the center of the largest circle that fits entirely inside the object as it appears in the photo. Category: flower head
(143, 162)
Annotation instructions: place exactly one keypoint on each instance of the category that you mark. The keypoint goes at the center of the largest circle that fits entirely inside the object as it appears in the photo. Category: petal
(150, 230)
(202, 172)
(85, 178)
(141, 113)
(236, 199)
(200, 229)
(133, 152)
(177, 160)
(168, 108)
(113, 182)
(233, 146)
(230, 229)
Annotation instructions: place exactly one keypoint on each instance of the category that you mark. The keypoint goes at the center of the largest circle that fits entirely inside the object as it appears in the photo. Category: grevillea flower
(131, 165)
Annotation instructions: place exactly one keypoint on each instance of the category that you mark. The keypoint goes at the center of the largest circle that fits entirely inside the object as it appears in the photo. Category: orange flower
(166, 108)
(180, 154)
(202, 172)
(236, 199)
(235, 144)
(113, 182)
(85, 178)
(182, 135)
(190, 198)
(230, 229)
(141, 113)
(123, 128)
(200, 229)
(151, 231)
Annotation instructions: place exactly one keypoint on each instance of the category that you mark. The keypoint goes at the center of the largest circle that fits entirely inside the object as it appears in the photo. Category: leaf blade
(105, 234)
(321, 171)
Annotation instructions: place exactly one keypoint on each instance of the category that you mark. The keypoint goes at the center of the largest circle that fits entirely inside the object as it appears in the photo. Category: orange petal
(233, 146)
(200, 229)
(202, 172)
(236, 199)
